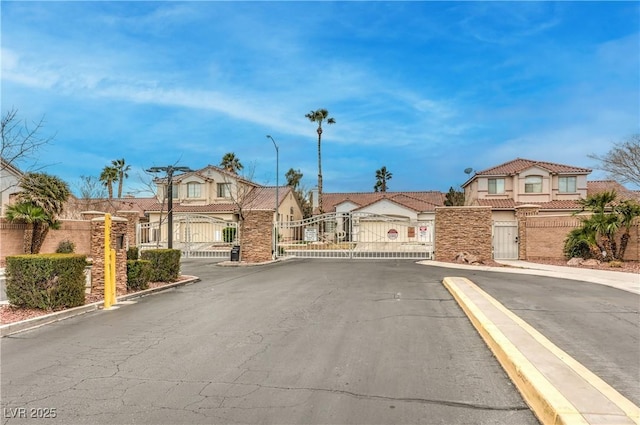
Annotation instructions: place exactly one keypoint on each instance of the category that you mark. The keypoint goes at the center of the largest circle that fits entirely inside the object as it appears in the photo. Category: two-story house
(10, 177)
(555, 188)
(209, 201)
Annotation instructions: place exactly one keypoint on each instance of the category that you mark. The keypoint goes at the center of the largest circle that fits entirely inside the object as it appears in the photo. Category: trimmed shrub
(576, 245)
(229, 234)
(133, 253)
(138, 274)
(66, 247)
(165, 264)
(46, 281)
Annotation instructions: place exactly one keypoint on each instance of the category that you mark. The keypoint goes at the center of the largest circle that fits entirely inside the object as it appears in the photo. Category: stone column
(118, 234)
(522, 212)
(255, 237)
(133, 218)
(463, 229)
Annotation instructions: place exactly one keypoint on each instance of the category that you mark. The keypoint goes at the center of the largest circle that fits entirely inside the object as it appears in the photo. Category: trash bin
(235, 253)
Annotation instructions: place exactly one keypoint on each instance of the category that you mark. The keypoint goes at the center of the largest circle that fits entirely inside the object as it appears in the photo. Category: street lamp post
(275, 231)
(170, 169)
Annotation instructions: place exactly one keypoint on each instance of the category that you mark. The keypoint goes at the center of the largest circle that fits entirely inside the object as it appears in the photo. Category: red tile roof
(519, 164)
(509, 204)
(599, 186)
(417, 201)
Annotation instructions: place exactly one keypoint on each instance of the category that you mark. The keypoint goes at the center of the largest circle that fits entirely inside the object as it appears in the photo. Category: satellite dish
(468, 170)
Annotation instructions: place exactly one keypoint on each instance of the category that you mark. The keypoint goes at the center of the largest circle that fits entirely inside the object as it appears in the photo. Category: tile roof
(520, 164)
(417, 201)
(599, 186)
(509, 204)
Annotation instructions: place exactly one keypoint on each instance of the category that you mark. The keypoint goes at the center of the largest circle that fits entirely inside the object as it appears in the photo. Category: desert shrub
(229, 234)
(133, 253)
(577, 245)
(46, 281)
(165, 264)
(66, 247)
(138, 274)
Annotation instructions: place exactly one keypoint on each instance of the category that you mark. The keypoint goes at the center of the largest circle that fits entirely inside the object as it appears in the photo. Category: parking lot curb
(36, 322)
(557, 388)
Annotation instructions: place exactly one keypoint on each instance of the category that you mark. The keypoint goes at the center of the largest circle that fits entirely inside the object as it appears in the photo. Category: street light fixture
(275, 231)
(170, 169)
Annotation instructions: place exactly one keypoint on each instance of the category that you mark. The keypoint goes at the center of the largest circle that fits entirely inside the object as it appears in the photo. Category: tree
(622, 162)
(108, 177)
(32, 216)
(90, 187)
(231, 163)
(46, 192)
(320, 116)
(122, 169)
(454, 198)
(294, 178)
(382, 176)
(19, 140)
(599, 230)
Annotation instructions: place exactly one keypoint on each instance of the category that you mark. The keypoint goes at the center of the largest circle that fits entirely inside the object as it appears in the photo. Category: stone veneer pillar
(118, 228)
(522, 212)
(463, 229)
(133, 218)
(255, 236)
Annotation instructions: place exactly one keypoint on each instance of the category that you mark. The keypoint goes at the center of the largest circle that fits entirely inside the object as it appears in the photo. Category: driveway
(341, 342)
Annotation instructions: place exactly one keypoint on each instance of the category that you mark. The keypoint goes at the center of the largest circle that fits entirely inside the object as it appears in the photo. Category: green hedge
(165, 264)
(138, 274)
(133, 253)
(46, 281)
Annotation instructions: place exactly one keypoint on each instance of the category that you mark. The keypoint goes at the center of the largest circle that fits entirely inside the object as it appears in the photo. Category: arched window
(533, 184)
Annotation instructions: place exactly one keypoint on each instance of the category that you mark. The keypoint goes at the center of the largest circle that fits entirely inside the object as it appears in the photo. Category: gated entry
(356, 235)
(505, 240)
(195, 235)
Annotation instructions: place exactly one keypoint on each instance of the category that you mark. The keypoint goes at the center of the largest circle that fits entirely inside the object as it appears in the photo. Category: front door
(505, 240)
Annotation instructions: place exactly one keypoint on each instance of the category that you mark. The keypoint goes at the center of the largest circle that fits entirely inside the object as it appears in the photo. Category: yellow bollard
(108, 292)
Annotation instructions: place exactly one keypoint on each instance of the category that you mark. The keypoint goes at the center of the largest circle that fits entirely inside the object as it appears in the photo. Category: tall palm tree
(108, 177)
(123, 170)
(320, 116)
(382, 176)
(48, 193)
(231, 163)
(30, 214)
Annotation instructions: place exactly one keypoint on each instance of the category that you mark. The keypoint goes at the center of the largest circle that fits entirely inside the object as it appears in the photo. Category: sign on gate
(310, 234)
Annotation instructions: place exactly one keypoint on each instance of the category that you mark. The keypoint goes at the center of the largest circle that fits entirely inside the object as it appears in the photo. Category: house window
(174, 191)
(533, 184)
(224, 190)
(567, 184)
(496, 186)
(193, 190)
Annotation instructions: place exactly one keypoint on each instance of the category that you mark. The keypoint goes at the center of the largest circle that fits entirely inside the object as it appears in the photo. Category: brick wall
(133, 218)
(255, 236)
(522, 214)
(463, 229)
(12, 238)
(545, 235)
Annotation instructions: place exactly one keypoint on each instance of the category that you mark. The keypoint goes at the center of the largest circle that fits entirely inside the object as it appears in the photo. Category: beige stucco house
(9, 179)
(555, 188)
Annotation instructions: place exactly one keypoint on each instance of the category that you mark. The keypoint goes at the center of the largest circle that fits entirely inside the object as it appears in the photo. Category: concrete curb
(557, 388)
(36, 322)
(243, 264)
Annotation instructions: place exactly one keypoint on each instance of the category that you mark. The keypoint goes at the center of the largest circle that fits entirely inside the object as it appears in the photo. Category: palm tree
(30, 214)
(108, 177)
(602, 223)
(231, 163)
(627, 211)
(319, 116)
(49, 193)
(122, 169)
(382, 176)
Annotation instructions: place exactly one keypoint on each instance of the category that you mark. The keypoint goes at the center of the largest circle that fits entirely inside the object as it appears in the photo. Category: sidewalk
(629, 282)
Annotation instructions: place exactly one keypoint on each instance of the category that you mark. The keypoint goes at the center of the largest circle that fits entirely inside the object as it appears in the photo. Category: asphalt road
(314, 341)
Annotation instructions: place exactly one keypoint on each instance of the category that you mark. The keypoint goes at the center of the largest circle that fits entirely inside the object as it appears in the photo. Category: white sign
(310, 234)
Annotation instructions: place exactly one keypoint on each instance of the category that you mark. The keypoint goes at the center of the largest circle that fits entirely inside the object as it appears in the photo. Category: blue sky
(426, 89)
